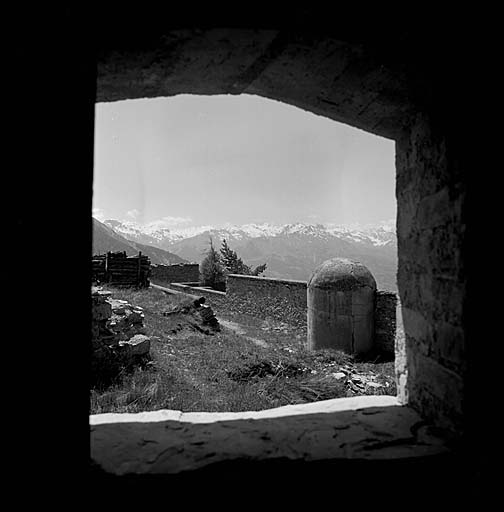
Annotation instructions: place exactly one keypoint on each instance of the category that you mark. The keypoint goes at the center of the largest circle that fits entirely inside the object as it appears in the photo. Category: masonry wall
(430, 233)
(285, 300)
(180, 273)
(281, 299)
(386, 321)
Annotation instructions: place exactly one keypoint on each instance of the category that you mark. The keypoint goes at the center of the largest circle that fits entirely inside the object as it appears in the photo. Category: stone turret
(341, 302)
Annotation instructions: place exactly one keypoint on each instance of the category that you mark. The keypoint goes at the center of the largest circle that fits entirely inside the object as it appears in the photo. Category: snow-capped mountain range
(374, 234)
(106, 239)
(291, 251)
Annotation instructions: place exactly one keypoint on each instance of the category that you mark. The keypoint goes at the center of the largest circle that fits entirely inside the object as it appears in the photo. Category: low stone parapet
(285, 300)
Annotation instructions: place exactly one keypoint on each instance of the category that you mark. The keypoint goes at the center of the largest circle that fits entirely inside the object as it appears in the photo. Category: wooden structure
(118, 269)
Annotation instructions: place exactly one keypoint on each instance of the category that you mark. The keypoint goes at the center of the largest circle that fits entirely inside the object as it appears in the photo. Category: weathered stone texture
(341, 307)
(431, 273)
(386, 324)
(117, 336)
(365, 427)
(324, 75)
(280, 309)
(280, 299)
(268, 287)
(138, 345)
(400, 360)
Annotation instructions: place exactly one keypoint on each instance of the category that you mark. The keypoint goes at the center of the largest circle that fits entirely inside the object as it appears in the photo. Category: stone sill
(364, 428)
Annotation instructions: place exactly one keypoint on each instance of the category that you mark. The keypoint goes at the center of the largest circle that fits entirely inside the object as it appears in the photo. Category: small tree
(231, 262)
(234, 264)
(211, 271)
(259, 269)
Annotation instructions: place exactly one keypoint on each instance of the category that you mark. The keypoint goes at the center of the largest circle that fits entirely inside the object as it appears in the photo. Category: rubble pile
(118, 337)
(357, 382)
(197, 316)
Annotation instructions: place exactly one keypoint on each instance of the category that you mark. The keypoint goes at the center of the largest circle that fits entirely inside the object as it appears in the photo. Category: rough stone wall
(430, 233)
(263, 287)
(286, 301)
(386, 306)
(180, 273)
(280, 299)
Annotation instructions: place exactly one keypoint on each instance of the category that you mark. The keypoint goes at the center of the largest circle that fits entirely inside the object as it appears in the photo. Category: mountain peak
(291, 251)
(107, 238)
(381, 233)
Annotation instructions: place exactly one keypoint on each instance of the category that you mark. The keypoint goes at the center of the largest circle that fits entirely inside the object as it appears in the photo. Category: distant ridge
(106, 239)
(291, 251)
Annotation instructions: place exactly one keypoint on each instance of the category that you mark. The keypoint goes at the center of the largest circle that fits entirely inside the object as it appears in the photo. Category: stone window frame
(389, 427)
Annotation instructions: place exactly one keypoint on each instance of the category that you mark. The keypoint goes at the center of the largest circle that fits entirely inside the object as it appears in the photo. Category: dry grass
(230, 370)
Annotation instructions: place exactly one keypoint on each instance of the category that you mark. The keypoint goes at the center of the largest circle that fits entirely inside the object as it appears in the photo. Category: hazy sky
(199, 160)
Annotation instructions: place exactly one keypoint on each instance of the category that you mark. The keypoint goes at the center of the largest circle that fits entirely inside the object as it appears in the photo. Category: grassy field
(249, 365)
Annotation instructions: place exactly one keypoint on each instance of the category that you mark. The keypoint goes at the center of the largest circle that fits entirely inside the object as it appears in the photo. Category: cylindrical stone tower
(341, 303)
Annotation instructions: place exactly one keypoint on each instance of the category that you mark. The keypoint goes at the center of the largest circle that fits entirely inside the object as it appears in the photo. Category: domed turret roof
(341, 274)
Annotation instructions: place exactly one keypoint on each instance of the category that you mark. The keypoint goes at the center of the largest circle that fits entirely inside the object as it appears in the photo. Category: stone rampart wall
(387, 321)
(281, 299)
(284, 300)
(180, 273)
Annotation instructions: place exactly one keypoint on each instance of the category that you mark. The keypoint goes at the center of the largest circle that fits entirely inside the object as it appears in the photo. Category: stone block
(138, 345)
(435, 390)
(416, 325)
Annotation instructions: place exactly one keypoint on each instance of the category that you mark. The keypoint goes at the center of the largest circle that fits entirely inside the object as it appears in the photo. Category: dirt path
(239, 329)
